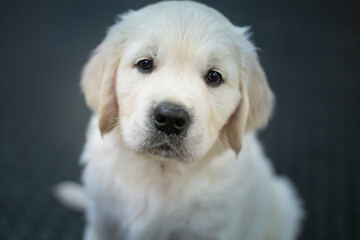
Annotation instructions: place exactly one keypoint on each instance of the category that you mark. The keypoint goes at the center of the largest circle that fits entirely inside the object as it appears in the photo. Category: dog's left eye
(145, 65)
(213, 78)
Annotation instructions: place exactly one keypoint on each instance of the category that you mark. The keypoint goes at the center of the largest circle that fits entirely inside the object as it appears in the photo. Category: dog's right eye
(145, 65)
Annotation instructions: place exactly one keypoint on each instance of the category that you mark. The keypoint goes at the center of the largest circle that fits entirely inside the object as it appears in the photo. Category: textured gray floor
(310, 51)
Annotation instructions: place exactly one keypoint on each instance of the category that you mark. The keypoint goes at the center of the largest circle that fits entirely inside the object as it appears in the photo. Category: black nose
(171, 118)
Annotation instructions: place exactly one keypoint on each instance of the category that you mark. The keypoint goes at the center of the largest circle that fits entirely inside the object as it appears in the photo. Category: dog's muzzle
(170, 123)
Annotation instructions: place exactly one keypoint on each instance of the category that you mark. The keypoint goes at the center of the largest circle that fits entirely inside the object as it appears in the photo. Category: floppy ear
(99, 80)
(257, 99)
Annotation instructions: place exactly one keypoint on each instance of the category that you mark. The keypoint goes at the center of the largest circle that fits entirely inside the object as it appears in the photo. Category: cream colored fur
(222, 185)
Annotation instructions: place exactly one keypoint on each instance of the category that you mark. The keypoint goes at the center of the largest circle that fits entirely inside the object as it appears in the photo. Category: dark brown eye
(213, 78)
(145, 65)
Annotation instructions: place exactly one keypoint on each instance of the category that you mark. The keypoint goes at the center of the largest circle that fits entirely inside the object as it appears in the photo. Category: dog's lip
(164, 147)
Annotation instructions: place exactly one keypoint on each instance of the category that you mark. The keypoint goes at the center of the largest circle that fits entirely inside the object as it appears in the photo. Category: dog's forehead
(186, 26)
(181, 32)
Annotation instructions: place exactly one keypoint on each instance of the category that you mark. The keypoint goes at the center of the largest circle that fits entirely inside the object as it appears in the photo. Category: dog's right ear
(98, 81)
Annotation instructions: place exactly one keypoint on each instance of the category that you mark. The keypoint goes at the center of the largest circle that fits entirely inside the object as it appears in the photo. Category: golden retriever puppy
(178, 93)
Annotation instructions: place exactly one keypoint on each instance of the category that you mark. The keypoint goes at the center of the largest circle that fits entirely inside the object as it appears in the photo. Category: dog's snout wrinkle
(171, 118)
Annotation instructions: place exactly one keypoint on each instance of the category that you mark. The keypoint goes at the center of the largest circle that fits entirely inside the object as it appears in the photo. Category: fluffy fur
(217, 183)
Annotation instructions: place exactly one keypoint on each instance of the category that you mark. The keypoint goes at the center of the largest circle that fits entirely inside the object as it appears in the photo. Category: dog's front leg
(99, 231)
(92, 233)
(98, 227)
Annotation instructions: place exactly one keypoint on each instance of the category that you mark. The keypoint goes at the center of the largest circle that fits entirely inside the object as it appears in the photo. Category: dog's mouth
(165, 150)
(165, 146)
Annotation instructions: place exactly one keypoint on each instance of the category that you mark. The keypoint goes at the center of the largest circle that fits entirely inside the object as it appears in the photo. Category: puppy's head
(177, 79)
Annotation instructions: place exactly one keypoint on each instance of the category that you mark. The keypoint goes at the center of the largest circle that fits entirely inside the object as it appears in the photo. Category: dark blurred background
(309, 50)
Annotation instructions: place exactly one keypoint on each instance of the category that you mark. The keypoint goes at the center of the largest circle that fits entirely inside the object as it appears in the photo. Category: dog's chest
(155, 201)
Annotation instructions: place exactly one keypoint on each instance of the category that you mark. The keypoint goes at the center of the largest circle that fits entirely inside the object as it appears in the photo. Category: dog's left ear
(257, 99)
